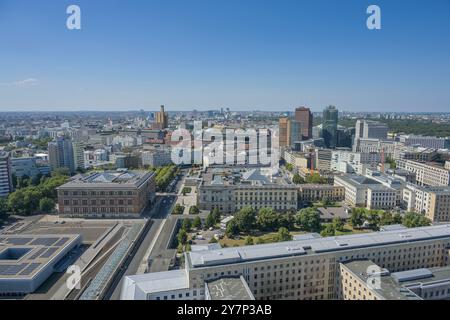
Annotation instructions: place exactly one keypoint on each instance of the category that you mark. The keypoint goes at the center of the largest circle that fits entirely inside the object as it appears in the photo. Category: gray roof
(317, 245)
(23, 256)
(229, 289)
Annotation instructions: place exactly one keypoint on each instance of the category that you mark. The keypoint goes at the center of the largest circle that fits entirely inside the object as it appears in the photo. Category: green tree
(179, 209)
(232, 229)
(46, 205)
(338, 224)
(284, 235)
(182, 237)
(414, 220)
(373, 218)
(197, 223)
(187, 225)
(297, 179)
(210, 221)
(308, 219)
(3, 209)
(357, 217)
(216, 215)
(245, 219)
(328, 231)
(194, 210)
(267, 219)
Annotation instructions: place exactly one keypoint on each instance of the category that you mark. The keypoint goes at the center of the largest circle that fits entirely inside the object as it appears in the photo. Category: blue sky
(241, 54)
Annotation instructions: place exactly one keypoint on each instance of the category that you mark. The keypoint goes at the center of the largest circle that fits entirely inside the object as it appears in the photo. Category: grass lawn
(269, 237)
(350, 230)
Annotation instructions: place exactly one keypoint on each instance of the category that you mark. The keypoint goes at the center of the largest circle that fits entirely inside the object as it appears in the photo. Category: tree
(179, 209)
(3, 209)
(187, 225)
(245, 219)
(210, 221)
(289, 167)
(216, 215)
(308, 219)
(297, 179)
(328, 231)
(284, 235)
(232, 229)
(197, 223)
(46, 205)
(316, 178)
(213, 240)
(357, 217)
(249, 241)
(338, 224)
(373, 218)
(386, 218)
(267, 219)
(182, 237)
(287, 220)
(414, 220)
(194, 210)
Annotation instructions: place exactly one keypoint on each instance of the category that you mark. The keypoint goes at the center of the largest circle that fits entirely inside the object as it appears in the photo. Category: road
(162, 208)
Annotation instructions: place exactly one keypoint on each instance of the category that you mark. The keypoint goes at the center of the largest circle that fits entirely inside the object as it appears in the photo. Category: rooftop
(23, 256)
(229, 289)
(314, 245)
(387, 288)
(108, 179)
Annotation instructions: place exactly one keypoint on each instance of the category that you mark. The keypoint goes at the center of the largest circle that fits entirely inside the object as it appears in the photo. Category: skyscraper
(369, 129)
(330, 126)
(305, 118)
(60, 154)
(5, 174)
(284, 132)
(162, 119)
(295, 132)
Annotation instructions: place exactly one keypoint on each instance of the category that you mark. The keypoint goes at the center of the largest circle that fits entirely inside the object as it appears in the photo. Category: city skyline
(246, 56)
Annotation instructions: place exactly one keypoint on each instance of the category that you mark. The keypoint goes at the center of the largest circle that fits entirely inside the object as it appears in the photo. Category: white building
(427, 174)
(5, 174)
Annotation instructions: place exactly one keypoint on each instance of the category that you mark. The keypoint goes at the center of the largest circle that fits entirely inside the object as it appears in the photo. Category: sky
(269, 55)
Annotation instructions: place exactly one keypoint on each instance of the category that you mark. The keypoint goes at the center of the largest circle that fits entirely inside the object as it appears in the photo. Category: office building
(110, 194)
(425, 141)
(230, 190)
(427, 174)
(305, 118)
(361, 191)
(330, 127)
(369, 129)
(6, 186)
(304, 269)
(295, 133)
(319, 192)
(60, 153)
(284, 134)
(29, 167)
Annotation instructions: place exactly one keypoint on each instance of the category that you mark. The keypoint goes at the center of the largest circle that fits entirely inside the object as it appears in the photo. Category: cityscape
(296, 201)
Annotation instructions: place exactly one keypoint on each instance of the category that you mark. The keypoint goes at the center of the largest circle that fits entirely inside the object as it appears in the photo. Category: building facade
(109, 194)
(6, 186)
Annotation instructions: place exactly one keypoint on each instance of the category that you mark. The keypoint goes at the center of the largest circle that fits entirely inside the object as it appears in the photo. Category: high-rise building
(305, 117)
(294, 132)
(284, 132)
(60, 153)
(368, 129)
(78, 155)
(162, 119)
(330, 126)
(5, 174)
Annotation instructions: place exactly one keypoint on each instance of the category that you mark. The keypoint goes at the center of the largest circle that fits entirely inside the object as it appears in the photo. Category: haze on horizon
(272, 55)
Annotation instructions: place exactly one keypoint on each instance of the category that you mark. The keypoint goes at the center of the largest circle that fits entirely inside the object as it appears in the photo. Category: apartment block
(433, 202)
(5, 174)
